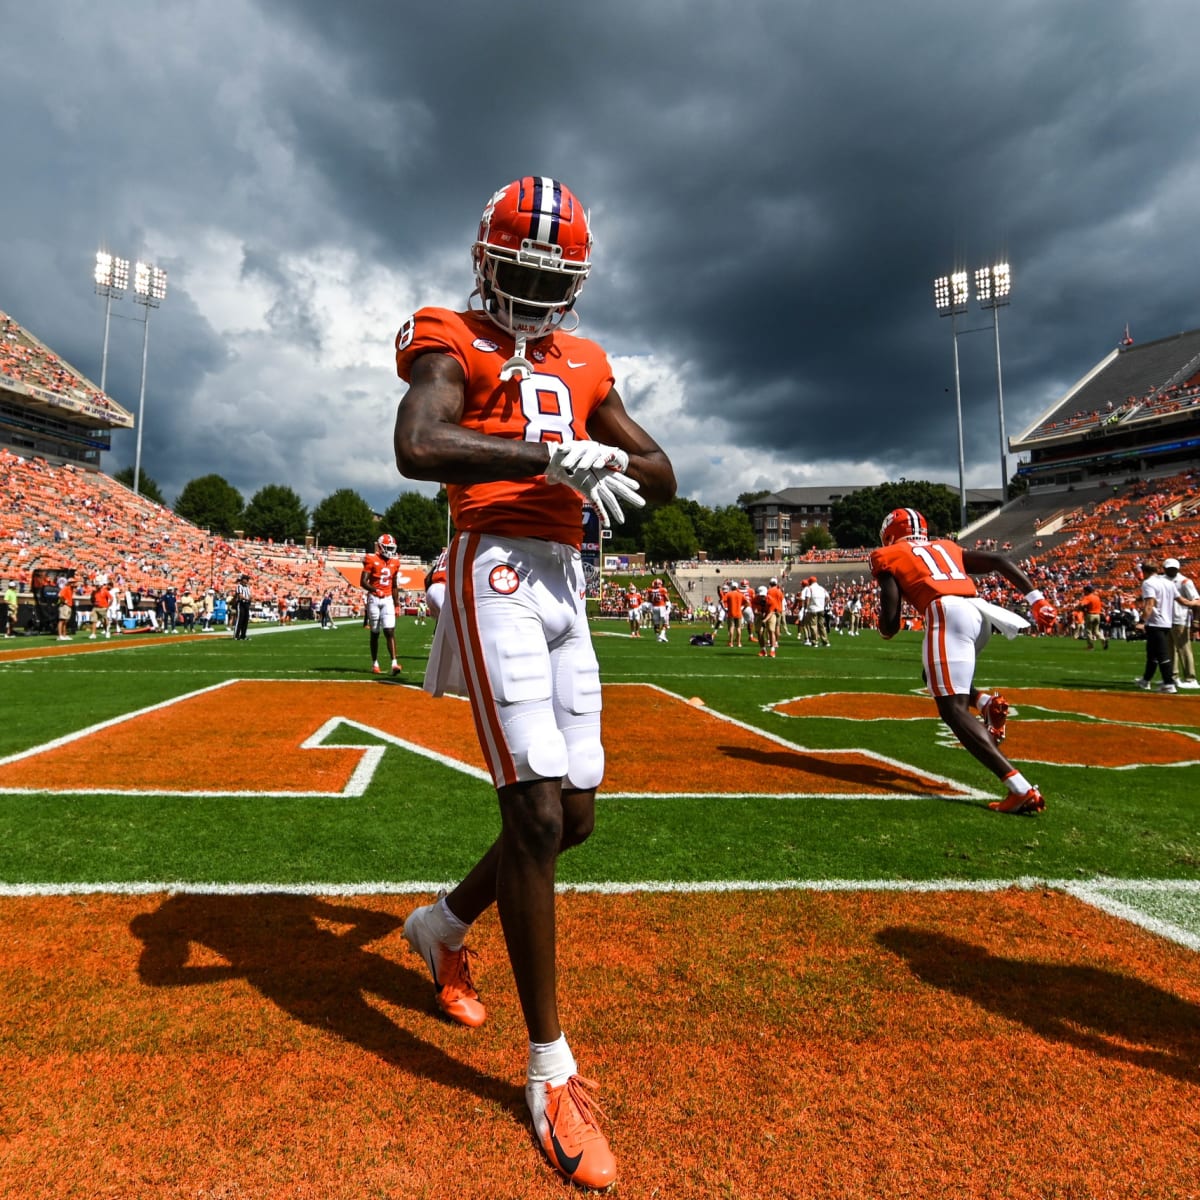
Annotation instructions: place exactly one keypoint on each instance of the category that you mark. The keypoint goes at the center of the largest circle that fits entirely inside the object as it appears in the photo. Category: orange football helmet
(903, 523)
(385, 546)
(532, 255)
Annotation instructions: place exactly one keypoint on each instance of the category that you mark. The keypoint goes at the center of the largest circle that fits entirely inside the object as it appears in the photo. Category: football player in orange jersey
(660, 609)
(378, 580)
(934, 576)
(732, 602)
(633, 607)
(503, 405)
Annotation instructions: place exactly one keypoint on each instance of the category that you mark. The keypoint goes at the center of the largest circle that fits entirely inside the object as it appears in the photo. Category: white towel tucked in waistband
(1007, 623)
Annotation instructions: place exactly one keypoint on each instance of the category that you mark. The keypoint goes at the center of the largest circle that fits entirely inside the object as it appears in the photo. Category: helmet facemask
(528, 292)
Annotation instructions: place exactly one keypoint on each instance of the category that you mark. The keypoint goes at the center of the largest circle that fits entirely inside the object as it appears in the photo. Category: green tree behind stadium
(211, 502)
(147, 487)
(670, 534)
(856, 518)
(344, 518)
(276, 512)
(726, 533)
(417, 523)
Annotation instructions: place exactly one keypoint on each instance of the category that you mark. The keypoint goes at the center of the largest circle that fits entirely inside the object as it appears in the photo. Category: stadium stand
(49, 409)
(62, 514)
(1136, 412)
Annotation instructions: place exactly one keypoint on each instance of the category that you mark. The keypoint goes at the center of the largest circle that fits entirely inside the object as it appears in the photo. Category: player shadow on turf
(282, 946)
(1105, 1013)
(865, 773)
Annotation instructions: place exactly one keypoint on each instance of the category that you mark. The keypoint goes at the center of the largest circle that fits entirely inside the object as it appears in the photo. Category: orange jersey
(571, 378)
(924, 570)
(1091, 604)
(658, 597)
(437, 573)
(775, 599)
(733, 602)
(101, 598)
(379, 576)
(634, 600)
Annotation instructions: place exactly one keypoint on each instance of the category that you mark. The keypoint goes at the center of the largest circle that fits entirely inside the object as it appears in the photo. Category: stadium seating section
(59, 515)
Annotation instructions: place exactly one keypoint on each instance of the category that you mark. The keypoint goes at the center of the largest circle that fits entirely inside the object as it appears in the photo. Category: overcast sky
(773, 187)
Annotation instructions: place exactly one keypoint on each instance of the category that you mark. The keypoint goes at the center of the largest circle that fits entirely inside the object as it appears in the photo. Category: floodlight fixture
(111, 274)
(951, 293)
(149, 284)
(993, 285)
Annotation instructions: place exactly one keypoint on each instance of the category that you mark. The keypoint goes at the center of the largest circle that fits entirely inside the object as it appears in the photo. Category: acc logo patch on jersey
(486, 345)
(504, 580)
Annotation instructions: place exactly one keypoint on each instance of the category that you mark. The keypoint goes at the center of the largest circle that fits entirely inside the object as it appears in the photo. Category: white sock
(446, 926)
(551, 1062)
(983, 701)
(1017, 783)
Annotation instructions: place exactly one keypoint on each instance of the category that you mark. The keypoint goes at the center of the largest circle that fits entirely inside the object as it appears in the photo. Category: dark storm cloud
(773, 188)
(776, 187)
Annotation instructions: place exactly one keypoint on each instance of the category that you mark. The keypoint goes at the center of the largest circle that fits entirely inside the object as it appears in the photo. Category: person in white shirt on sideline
(1183, 661)
(1158, 604)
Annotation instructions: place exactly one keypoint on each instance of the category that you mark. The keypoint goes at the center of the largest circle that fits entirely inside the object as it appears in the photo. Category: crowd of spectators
(64, 517)
(1156, 402)
(1106, 544)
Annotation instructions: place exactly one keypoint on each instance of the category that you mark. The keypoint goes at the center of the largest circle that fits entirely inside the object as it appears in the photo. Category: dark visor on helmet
(529, 283)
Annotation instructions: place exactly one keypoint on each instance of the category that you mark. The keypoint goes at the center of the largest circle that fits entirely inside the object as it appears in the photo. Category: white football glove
(595, 471)
(587, 456)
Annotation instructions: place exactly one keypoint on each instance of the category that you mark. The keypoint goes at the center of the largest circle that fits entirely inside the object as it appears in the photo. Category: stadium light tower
(950, 296)
(992, 287)
(112, 279)
(150, 289)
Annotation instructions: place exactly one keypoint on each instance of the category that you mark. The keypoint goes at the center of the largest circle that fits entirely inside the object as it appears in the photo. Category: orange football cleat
(995, 717)
(568, 1134)
(454, 989)
(1020, 802)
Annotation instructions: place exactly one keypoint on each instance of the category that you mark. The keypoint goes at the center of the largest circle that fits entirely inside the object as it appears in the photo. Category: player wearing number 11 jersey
(519, 418)
(934, 577)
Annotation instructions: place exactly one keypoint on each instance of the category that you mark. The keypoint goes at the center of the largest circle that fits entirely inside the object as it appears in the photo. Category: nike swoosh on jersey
(575, 364)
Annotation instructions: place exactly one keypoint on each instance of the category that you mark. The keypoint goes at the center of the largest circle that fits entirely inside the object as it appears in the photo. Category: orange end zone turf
(1008, 1045)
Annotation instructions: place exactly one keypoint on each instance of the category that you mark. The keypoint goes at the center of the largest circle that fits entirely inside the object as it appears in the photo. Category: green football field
(180, 764)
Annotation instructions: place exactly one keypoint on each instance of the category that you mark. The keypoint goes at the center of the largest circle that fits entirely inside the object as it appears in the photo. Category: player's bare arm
(986, 562)
(648, 464)
(430, 444)
(889, 605)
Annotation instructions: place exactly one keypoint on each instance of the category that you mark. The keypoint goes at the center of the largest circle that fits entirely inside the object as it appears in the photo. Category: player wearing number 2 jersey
(934, 577)
(519, 419)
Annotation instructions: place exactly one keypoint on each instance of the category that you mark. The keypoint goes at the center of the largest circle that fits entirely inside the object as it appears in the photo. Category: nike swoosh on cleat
(568, 1164)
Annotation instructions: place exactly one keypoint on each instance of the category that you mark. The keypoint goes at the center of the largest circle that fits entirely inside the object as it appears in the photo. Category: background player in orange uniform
(501, 404)
(633, 607)
(732, 601)
(934, 576)
(378, 580)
